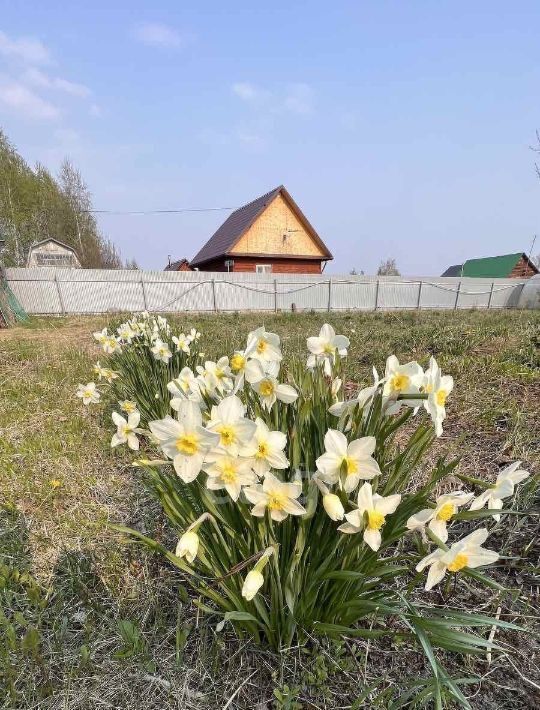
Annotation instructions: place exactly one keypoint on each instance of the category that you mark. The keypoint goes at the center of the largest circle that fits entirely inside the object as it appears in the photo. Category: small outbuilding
(507, 266)
(52, 252)
(179, 265)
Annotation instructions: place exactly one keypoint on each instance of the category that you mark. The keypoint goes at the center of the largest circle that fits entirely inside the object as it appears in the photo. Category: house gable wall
(266, 234)
(522, 269)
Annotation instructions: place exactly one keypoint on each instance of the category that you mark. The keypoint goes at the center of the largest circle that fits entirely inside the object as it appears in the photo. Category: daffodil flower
(88, 393)
(182, 342)
(125, 332)
(104, 373)
(161, 351)
(331, 502)
(252, 583)
(228, 472)
(216, 375)
(401, 380)
(128, 406)
(266, 384)
(101, 335)
(275, 496)
(347, 463)
(325, 348)
(238, 362)
(185, 386)
(265, 449)
(263, 346)
(188, 546)
(362, 399)
(111, 345)
(370, 515)
(437, 387)
(254, 579)
(227, 420)
(503, 488)
(446, 506)
(193, 335)
(126, 430)
(465, 553)
(184, 440)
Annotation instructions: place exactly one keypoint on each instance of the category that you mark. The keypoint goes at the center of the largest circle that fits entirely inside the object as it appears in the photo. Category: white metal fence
(64, 291)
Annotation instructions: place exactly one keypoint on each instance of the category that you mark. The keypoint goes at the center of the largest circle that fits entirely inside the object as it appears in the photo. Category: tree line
(35, 205)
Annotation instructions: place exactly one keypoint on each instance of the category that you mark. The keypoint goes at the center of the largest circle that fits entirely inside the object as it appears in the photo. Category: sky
(402, 129)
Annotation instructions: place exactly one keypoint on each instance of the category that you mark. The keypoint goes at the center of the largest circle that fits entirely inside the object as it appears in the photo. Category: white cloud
(158, 35)
(247, 91)
(293, 98)
(38, 78)
(27, 49)
(299, 99)
(19, 98)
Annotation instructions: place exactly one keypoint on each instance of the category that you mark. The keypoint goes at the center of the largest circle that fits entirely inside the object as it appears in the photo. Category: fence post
(490, 294)
(214, 294)
(457, 296)
(145, 302)
(376, 295)
(419, 300)
(59, 291)
(329, 295)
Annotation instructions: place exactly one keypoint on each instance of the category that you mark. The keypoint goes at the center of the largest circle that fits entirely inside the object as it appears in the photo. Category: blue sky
(401, 128)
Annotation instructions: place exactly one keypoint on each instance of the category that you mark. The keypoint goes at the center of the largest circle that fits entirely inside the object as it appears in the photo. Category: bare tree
(388, 267)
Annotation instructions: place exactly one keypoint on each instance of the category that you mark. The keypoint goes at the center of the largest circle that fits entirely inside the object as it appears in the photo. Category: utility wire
(146, 212)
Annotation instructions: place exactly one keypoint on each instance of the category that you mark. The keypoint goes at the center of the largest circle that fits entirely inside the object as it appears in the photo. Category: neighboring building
(508, 266)
(51, 252)
(270, 234)
(180, 265)
(453, 270)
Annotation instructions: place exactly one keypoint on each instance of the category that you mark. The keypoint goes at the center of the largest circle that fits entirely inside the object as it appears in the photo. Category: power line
(147, 212)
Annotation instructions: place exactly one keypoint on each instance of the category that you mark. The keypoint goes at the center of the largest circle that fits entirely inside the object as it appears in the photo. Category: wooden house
(508, 266)
(269, 235)
(178, 265)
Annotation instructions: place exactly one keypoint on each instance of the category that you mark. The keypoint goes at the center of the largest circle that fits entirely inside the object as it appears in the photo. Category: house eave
(250, 255)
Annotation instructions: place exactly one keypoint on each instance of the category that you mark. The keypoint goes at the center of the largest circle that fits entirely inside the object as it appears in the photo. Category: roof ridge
(257, 199)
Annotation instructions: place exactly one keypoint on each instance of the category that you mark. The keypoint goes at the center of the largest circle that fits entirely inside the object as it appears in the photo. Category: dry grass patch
(60, 485)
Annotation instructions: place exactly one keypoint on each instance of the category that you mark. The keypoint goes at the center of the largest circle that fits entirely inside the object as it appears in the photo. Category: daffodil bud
(188, 546)
(252, 584)
(333, 506)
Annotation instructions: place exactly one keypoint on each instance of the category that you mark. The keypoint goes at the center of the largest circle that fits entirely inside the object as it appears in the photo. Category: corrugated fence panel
(101, 296)
(56, 291)
(474, 295)
(438, 295)
(37, 296)
(393, 295)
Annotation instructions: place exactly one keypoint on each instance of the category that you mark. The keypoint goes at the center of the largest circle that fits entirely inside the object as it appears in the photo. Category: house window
(263, 268)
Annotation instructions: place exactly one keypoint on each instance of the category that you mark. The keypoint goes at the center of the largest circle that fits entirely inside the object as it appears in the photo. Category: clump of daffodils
(293, 507)
(144, 354)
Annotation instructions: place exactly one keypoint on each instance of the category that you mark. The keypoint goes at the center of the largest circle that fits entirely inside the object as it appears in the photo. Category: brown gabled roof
(175, 265)
(239, 221)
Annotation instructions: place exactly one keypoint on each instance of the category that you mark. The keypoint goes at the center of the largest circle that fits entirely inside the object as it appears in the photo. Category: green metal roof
(492, 266)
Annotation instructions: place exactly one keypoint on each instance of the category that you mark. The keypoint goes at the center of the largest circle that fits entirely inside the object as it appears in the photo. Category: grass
(87, 621)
